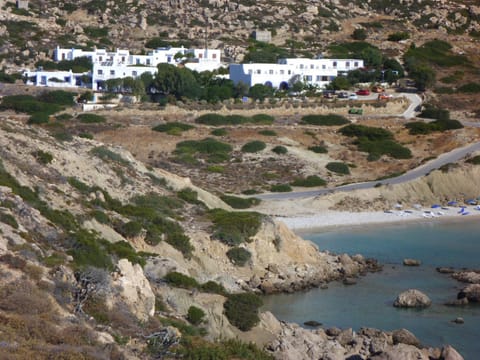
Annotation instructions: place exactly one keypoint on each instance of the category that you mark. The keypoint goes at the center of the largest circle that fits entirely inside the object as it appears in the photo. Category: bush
(218, 120)
(432, 112)
(253, 146)
(28, 104)
(219, 132)
(280, 188)
(238, 202)
(474, 160)
(63, 117)
(91, 118)
(423, 128)
(181, 242)
(189, 195)
(471, 88)
(8, 219)
(398, 36)
(280, 150)
(100, 216)
(325, 120)
(43, 157)
(239, 256)
(195, 315)
(241, 310)
(267, 132)
(223, 350)
(383, 147)
(173, 128)
(309, 181)
(338, 167)
(38, 118)
(106, 154)
(215, 150)
(318, 149)
(180, 280)
(87, 250)
(213, 288)
(216, 169)
(131, 229)
(59, 97)
(123, 250)
(362, 131)
(234, 228)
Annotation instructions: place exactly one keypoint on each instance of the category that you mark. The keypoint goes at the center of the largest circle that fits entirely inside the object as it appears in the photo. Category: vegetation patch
(436, 52)
(325, 120)
(280, 188)
(309, 181)
(319, 149)
(189, 195)
(280, 150)
(215, 150)
(471, 88)
(267, 132)
(241, 310)
(253, 146)
(338, 167)
(180, 280)
(91, 118)
(173, 128)
(43, 157)
(233, 228)
(219, 132)
(239, 256)
(108, 155)
(442, 122)
(195, 315)
(238, 202)
(474, 160)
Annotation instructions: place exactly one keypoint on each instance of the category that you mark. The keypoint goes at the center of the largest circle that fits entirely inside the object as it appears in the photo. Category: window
(169, 59)
(347, 64)
(137, 61)
(200, 55)
(100, 72)
(324, 66)
(134, 73)
(334, 64)
(214, 56)
(312, 66)
(43, 80)
(308, 78)
(270, 72)
(100, 58)
(250, 72)
(258, 71)
(301, 66)
(355, 64)
(63, 56)
(123, 58)
(319, 77)
(282, 72)
(112, 72)
(324, 78)
(148, 61)
(289, 72)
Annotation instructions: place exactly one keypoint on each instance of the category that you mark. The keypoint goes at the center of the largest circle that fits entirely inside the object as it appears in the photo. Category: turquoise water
(369, 303)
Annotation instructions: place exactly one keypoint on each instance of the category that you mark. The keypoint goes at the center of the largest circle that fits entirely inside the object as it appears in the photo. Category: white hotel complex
(319, 72)
(121, 64)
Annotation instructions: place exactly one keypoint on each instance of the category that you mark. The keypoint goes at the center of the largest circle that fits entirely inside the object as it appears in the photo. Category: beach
(332, 218)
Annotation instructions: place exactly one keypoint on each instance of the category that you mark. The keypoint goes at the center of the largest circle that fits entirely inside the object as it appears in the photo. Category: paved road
(413, 174)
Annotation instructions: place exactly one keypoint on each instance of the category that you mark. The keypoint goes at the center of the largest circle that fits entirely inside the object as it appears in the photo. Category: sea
(369, 303)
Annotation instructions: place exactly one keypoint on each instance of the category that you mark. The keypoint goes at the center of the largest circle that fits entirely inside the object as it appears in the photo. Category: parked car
(363, 92)
(384, 96)
(352, 97)
(342, 95)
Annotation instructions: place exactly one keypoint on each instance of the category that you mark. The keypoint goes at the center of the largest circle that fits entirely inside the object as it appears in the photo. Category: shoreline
(336, 220)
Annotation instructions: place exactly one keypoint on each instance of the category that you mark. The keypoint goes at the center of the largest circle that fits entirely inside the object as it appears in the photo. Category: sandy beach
(332, 219)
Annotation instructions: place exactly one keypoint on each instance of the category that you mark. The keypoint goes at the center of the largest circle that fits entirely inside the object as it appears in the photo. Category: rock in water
(449, 353)
(411, 262)
(471, 292)
(312, 323)
(412, 299)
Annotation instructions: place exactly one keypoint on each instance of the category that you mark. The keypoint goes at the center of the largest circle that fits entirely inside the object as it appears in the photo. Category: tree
(340, 83)
(260, 92)
(359, 34)
(372, 56)
(423, 75)
(179, 82)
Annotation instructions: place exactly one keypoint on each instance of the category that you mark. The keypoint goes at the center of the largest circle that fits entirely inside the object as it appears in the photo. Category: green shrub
(87, 250)
(79, 185)
(325, 120)
(8, 219)
(58, 97)
(474, 160)
(38, 118)
(223, 350)
(181, 242)
(262, 119)
(215, 150)
(423, 128)
(195, 315)
(250, 192)
(280, 150)
(318, 149)
(180, 280)
(173, 128)
(241, 310)
(216, 169)
(433, 112)
(43, 157)
(131, 229)
(85, 135)
(213, 288)
(362, 131)
(398, 36)
(219, 132)
(471, 88)
(218, 120)
(28, 104)
(238, 202)
(123, 250)
(309, 181)
(384, 147)
(253, 146)
(91, 118)
(436, 52)
(100, 216)
(280, 188)
(63, 117)
(239, 256)
(234, 228)
(338, 167)
(106, 154)
(189, 195)
(267, 133)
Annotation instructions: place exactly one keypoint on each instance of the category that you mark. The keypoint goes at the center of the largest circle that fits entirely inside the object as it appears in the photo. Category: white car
(353, 97)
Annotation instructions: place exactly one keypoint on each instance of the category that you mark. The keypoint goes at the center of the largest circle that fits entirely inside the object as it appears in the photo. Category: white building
(53, 78)
(120, 63)
(286, 72)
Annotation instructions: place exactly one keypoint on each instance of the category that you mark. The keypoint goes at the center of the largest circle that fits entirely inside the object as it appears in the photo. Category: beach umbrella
(452, 203)
(471, 202)
(434, 206)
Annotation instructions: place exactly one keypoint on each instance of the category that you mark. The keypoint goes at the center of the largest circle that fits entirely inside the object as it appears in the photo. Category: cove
(369, 303)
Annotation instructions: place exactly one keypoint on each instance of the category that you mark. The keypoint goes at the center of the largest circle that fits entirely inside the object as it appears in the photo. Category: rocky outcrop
(411, 262)
(472, 277)
(413, 299)
(471, 293)
(134, 290)
(449, 353)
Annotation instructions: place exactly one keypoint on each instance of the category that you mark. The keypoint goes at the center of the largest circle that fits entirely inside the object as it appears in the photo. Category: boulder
(411, 262)
(403, 336)
(471, 292)
(134, 290)
(412, 299)
(449, 353)
(312, 323)
(472, 277)
(458, 320)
